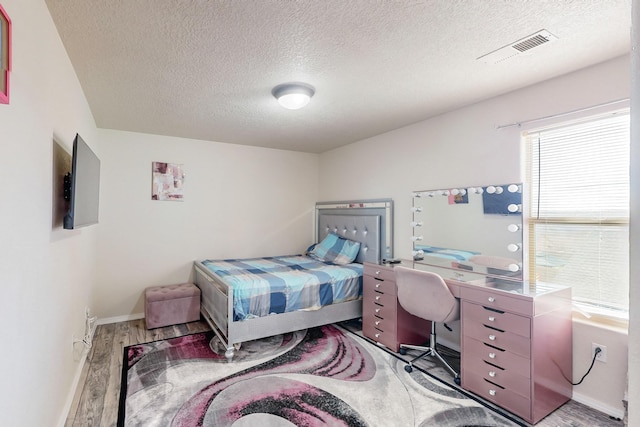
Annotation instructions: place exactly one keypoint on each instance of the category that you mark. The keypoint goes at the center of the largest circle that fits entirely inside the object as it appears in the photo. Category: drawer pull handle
(378, 298)
(377, 285)
(377, 335)
(492, 355)
(492, 392)
(492, 337)
(492, 319)
(377, 322)
(377, 310)
(492, 374)
(491, 299)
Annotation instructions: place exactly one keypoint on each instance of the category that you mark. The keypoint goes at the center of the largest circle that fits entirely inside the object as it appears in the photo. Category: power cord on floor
(595, 355)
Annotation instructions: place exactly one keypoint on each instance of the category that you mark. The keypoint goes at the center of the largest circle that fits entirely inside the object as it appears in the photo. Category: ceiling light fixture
(293, 96)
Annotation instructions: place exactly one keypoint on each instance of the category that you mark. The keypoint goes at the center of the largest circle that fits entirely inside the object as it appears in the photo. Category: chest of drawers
(516, 351)
(383, 319)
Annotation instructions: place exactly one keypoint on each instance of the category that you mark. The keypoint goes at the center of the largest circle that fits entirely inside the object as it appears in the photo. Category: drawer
(380, 299)
(507, 378)
(377, 271)
(509, 322)
(386, 286)
(474, 349)
(497, 300)
(387, 311)
(384, 325)
(503, 340)
(503, 397)
(386, 338)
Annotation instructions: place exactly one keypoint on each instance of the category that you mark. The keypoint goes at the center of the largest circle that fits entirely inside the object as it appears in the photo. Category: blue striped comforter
(263, 286)
(447, 253)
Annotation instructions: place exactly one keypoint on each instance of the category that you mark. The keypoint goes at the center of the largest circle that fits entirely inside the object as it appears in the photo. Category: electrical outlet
(602, 355)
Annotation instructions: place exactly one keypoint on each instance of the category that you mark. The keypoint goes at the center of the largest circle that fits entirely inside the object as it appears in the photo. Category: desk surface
(456, 278)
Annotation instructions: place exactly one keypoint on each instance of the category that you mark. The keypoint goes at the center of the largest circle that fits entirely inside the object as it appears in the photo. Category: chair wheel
(457, 380)
(408, 368)
(402, 351)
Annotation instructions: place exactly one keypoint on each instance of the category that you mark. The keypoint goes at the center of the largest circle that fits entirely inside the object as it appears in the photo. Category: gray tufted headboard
(366, 221)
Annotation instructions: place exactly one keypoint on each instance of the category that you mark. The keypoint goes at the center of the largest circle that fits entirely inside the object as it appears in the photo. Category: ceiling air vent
(518, 47)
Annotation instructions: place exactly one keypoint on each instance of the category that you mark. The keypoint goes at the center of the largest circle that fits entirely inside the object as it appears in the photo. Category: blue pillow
(336, 249)
(309, 249)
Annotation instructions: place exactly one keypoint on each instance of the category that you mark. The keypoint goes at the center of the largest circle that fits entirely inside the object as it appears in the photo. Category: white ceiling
(205, 69)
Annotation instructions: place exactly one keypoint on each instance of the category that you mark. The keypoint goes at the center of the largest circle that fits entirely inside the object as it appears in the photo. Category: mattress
(272, 285)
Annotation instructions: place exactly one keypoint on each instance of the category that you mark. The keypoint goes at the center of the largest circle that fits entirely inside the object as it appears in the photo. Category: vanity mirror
(476, 228)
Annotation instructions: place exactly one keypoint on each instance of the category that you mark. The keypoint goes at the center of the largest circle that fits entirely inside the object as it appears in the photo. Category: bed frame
(367, 221)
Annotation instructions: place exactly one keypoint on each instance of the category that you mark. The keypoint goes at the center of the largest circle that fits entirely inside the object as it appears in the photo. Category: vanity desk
(516, 338)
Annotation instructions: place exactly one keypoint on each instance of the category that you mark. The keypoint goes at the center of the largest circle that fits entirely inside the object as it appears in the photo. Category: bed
(305, 294)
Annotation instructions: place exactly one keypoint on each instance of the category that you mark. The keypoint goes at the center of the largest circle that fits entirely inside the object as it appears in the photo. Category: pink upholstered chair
(426, 295)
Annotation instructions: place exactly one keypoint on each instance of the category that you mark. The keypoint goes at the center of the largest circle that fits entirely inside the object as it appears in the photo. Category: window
(578, 181)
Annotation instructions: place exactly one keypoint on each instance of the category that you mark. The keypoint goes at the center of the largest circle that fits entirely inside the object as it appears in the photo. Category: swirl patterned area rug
(324, 376)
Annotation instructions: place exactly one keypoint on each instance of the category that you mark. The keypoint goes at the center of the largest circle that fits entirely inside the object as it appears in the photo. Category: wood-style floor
(96, 399)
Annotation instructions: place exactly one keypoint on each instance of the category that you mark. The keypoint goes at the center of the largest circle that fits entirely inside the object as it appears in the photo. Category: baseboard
(78, 374)
(598, 406)
(116, 319)
(74, 384)
(72, 392)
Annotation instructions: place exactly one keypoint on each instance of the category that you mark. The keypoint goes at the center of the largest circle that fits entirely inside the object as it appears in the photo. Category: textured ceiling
(205, 69)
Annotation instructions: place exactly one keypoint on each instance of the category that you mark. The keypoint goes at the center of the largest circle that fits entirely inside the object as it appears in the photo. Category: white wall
(46, 273)
(239, 202)
(463, 148)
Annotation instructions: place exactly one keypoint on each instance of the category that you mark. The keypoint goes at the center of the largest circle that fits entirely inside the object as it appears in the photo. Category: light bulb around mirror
(455, 191)
(499, 190)
(416, 238)
(513, 188)
(514, 247)
(416, 224)
(416, 209)
(513, 227)
(514, 267)
(491, 189)
(514, 208)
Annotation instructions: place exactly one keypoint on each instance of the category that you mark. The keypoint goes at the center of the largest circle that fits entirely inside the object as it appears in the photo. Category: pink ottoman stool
(171, 305)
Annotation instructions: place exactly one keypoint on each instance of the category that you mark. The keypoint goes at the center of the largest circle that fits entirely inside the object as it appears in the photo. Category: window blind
(578, 177)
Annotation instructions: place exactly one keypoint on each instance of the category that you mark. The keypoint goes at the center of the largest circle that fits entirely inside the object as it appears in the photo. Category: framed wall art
(5, 55)
(168, 181)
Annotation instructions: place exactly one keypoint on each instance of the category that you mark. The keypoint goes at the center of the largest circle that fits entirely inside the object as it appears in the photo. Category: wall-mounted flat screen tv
(82, 187)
